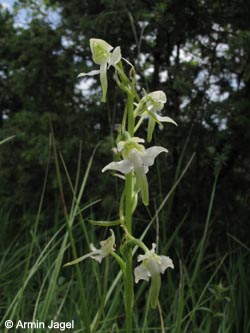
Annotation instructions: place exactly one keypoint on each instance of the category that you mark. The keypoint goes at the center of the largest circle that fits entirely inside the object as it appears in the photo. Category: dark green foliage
(204, 48)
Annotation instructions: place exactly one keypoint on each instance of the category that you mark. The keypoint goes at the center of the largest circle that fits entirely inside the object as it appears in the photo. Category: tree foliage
(196, 51)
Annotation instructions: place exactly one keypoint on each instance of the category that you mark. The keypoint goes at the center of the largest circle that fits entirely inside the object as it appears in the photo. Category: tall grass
(207, 291)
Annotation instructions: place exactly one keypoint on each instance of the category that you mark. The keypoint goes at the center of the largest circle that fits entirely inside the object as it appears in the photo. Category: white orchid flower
(107, 247)
(148, 107)
(151, 264)
(151, 267)
(136, 159)
(102, 55)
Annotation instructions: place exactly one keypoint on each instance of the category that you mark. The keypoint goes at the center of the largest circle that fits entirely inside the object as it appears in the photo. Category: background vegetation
(198, 52)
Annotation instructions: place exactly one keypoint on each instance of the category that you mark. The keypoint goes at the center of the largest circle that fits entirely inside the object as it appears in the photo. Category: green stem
(131, 120)
(128, 203)
(129, 282)
(119, 260)
(129, 293)
(134, 241)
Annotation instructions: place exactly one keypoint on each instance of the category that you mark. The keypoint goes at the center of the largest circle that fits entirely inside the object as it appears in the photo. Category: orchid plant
(132, 162)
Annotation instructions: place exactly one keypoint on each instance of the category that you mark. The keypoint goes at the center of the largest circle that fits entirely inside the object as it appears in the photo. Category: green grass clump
(207, 291)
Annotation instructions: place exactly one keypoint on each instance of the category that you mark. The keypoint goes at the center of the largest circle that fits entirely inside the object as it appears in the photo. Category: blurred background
(198, 53)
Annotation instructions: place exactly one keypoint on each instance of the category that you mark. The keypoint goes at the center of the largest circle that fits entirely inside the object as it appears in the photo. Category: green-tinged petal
(140, 174)
(124, 166)
(158, 96)
(120, 146)
(141, 273)
(115, 56)
(155, 290)
(125, 147)
(98, 255)
(94, 42)
(151, 153)
(166, 262)
(165, 119)
(134, 201)
(143, 184)
(104, 81)
(108, 245)
(76, 261)
(100, 50)
(91, 73)
(151, 127)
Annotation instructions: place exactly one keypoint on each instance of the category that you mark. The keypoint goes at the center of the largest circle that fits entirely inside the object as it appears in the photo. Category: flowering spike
(134, 159)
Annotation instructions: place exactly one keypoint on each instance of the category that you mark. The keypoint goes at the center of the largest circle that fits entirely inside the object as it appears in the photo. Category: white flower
(148, 106)
(136, 159)
(107, 246)
(102, 55)
(152, 266)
